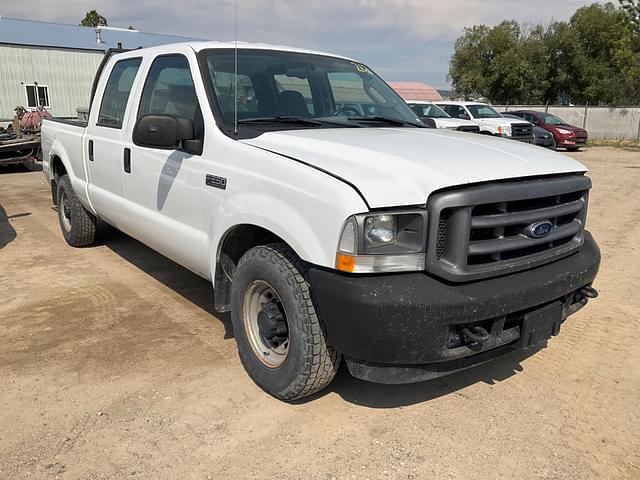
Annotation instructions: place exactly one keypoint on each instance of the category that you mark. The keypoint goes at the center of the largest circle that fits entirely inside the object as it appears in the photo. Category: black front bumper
(397, 328)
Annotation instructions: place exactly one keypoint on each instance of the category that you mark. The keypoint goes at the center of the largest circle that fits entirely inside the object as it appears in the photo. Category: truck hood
(500, 122)
(453, 122)
(403, 166)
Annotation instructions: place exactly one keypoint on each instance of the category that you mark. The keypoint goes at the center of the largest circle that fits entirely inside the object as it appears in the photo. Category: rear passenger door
(164, 188)
(103, 143)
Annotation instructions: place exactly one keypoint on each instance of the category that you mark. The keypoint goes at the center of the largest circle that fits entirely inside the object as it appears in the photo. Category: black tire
(310, 363)
(78, 225)
(573, 149)
(554, 145)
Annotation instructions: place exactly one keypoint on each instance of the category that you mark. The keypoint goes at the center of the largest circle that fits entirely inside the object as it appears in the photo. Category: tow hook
(476, 334)
(588, 292)
(580, 299)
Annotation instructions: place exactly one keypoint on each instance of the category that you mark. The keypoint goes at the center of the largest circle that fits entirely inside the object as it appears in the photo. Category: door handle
(127, 160)
(91, 150)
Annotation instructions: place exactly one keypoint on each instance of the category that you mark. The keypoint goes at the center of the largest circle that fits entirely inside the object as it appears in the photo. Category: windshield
(428, 110)
(483, 111)
(552, 120)
(285, 90)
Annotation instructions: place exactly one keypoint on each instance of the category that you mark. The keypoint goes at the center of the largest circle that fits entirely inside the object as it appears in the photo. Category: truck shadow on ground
(375, 395)
(195, 289)
(7, 232)
(199, 292)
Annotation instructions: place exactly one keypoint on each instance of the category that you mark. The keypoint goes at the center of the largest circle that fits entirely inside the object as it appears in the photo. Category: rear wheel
(281, 341)
(78, 225)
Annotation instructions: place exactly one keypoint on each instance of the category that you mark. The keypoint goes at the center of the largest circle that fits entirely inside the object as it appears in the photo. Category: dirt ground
(113, 364)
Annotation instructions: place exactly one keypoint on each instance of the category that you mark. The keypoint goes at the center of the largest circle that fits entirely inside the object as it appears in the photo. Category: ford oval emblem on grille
(539, 229)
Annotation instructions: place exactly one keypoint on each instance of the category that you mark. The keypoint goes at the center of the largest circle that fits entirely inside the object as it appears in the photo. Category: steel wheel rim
(65, 212)
(258, 294)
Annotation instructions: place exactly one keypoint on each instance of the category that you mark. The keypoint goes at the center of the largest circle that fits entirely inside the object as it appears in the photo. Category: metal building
(53, 65)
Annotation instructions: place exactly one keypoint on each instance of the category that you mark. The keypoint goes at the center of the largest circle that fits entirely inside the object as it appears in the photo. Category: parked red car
(566, 136)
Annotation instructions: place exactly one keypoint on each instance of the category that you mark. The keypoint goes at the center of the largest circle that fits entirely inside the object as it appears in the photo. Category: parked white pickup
(328, 231)
(430, 112)
(489, 120)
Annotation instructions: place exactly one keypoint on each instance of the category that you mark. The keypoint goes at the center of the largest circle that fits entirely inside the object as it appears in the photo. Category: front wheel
(281, 341)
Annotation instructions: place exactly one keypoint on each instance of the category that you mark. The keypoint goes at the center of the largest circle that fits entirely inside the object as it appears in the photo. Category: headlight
(383, 242)
(564, 132)
(504, 131)
(380, 230)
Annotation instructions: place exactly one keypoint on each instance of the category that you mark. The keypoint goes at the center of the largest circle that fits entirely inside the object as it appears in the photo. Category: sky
(402, 40)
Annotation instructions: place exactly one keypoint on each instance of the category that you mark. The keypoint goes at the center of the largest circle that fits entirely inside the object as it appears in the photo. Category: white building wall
(68, 74)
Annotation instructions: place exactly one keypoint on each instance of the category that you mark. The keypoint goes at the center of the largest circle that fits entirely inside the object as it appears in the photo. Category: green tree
(594, 57)
(93, 19)
(501, 63)
(631, 9)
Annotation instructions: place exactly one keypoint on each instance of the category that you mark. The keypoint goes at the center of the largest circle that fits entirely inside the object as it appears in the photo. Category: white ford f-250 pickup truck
(408, 252)
(489, 120)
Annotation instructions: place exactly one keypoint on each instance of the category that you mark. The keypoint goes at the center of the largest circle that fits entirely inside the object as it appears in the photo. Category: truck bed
(69, 133)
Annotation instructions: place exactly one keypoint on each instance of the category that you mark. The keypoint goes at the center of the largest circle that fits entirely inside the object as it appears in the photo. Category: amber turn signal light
(345, 263)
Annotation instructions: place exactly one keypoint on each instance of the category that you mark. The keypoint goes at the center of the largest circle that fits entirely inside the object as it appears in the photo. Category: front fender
(289, 223)
(312, 237)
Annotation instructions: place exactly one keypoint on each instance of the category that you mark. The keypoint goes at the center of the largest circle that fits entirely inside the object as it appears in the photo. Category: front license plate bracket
(540, 324)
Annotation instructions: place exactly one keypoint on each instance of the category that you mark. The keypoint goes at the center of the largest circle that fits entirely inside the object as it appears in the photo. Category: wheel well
(234, 244)
(57, 170)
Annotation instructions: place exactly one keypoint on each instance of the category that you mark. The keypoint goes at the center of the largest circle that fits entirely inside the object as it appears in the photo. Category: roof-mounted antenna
(235, 75)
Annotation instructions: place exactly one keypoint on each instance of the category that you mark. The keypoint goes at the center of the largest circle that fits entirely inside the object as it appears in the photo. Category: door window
(169, 90)
(116, 93)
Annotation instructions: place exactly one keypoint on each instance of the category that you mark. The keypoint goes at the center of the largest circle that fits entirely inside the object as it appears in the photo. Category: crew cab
(489, 120)
(428, 111)
(329, 234)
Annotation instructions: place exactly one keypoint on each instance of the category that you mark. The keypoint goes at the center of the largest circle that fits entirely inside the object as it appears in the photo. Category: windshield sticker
(361, 68)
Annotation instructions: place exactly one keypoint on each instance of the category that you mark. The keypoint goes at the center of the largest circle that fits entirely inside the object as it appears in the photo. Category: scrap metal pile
(20, 140)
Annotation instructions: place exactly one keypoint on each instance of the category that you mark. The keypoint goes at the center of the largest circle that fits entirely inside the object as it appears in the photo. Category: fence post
(584, 120)
(546, 107)
(638, 134)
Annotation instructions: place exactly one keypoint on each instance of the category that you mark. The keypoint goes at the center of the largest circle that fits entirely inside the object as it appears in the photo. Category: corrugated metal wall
(67, 73)
(602, 123)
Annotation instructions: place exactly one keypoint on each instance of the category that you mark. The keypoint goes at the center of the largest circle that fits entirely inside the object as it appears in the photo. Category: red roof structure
(416, 91)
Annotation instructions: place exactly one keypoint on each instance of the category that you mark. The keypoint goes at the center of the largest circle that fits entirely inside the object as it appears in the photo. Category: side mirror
(167, 132)
(429, 122)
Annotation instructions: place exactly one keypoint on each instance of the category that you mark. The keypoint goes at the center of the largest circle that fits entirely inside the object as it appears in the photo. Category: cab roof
(198, 46)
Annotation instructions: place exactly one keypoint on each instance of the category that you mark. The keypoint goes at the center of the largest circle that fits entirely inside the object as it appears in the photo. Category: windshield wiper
(282, 119)
(390, 120)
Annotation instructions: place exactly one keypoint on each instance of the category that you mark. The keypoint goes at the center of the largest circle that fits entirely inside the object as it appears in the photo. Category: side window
(169, 90)
(116, 93)
(450, 109)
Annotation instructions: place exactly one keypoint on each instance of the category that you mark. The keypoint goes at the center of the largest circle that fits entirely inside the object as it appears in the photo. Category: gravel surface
(113, 364)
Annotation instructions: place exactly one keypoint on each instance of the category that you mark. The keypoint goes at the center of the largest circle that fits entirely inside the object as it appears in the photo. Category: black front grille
(521, 130)
(469, 128)
(487, 230)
